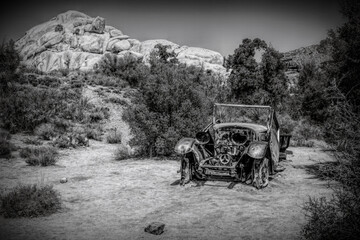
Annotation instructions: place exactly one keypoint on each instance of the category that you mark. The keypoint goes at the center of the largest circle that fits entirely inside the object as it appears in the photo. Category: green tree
(344, 45)
(254, 83)
(169, 105)
(274, 79)
(245, 78)
(312, 93)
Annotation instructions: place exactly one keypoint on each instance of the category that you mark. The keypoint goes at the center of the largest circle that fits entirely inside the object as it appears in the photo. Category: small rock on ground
(156, 228)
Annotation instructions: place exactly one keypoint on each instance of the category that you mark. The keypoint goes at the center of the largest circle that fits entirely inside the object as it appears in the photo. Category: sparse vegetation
(30, 201)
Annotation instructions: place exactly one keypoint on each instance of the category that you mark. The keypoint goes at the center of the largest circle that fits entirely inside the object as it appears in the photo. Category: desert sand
(109, 199)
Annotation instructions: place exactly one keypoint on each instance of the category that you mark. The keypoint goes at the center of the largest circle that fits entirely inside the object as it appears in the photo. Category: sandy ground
(108, 199)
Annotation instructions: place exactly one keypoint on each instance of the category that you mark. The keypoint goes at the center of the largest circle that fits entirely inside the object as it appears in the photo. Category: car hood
(253, 126)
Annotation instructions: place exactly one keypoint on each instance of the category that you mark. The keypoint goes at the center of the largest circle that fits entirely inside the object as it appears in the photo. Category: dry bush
(45, 131)
(30, 201)
(77, 137)
(32, 141)
(114, 137)
(5, 145)
(94, 131)
(43, 156)
(122, 153)
(304, 132)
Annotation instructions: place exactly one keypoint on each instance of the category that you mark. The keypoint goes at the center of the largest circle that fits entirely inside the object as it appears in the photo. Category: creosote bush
(30, 201)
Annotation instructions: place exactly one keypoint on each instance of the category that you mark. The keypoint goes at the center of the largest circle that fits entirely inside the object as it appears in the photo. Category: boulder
(97, 26)
(148, 46)
(116, 45)
(92, 43)
(135, 45)
(113, 31)
(202, 54)
(132, 54)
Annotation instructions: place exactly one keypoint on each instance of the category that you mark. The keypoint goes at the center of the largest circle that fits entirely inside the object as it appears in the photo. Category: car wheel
(185, 171)
(262, 174)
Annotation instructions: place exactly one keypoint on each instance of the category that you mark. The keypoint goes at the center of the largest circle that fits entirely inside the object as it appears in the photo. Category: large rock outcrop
(76, 41)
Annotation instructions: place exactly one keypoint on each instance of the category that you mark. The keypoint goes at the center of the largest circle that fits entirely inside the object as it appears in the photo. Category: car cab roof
(253, 126)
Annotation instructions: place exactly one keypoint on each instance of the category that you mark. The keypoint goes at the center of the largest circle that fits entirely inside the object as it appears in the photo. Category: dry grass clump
(30, 201)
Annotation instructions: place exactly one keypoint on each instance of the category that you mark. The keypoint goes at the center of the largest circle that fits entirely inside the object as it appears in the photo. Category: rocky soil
(109, 199)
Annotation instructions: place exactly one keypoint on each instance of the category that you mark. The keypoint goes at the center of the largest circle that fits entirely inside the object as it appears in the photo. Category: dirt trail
(108, 199)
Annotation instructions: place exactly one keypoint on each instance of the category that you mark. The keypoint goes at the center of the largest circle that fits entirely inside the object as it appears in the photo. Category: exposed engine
(230, 145)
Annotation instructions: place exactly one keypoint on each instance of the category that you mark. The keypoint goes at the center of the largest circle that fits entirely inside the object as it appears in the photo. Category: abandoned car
(242, 143)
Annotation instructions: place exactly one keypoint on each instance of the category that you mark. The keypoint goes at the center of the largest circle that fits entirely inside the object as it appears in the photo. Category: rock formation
(76, 41)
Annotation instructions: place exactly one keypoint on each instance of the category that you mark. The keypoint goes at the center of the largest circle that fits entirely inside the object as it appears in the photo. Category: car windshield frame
(239, 113)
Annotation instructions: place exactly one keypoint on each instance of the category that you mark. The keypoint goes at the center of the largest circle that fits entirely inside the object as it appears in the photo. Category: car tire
(262, 174)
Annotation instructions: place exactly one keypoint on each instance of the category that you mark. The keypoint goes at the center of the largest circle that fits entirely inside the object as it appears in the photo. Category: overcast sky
(217, 25)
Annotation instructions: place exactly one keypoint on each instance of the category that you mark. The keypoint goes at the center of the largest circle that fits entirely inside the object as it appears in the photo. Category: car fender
(257, 150)
(184, 145)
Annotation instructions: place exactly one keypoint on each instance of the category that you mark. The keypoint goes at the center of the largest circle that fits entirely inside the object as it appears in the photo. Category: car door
(274, 139)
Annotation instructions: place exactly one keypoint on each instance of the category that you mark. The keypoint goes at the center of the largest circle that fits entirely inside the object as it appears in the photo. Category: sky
(217, 25)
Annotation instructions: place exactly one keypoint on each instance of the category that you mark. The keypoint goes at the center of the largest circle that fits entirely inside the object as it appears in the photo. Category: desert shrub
(73, 139)
(30, 201)
(64, 71)
(32, 141)
(60, 124)
(98, 113)
(35, 156)
(45, 131)
(127, 68)
(105, 80)
(122, 153)
(117, 101)
(339, 216)
(94, 131)
(304, 132)
(287, 124)
(62, 141)
(76, 84)
(48, 81)
(114, 136)
(59, 28)
(28, 107)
